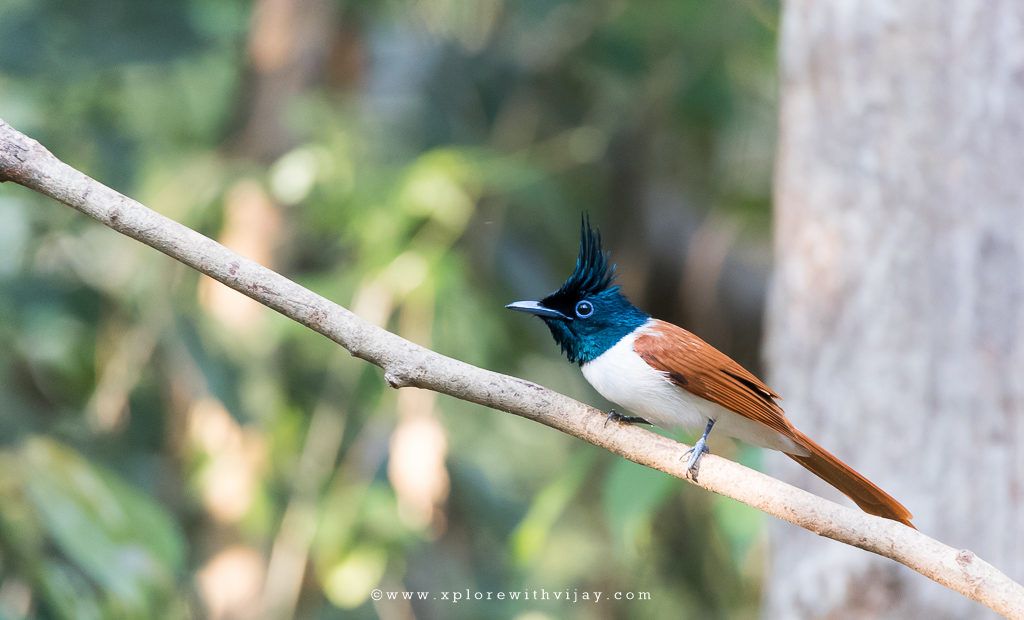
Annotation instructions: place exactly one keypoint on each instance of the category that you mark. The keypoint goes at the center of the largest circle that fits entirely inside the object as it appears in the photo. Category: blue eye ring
(584, 309)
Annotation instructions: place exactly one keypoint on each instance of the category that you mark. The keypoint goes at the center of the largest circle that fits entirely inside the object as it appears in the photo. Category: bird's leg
(625, 419)
(698, 450)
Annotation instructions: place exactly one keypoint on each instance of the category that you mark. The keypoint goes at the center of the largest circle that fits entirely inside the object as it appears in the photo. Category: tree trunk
(895, 327)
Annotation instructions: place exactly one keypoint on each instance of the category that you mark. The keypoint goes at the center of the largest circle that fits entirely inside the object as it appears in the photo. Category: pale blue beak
(535, 308)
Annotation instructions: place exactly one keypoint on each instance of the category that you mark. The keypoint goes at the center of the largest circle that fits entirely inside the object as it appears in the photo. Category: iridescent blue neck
(614, 317)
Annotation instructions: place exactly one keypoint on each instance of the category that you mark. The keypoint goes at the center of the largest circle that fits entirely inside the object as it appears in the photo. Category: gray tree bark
(405, 364)
(895, 328)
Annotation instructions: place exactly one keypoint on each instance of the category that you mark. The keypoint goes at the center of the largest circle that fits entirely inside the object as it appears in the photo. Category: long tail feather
(862, 491)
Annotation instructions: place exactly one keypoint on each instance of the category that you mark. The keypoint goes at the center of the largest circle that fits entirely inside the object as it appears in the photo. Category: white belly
(624, 378)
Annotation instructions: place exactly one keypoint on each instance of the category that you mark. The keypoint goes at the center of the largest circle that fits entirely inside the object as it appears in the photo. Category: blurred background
(169, 448)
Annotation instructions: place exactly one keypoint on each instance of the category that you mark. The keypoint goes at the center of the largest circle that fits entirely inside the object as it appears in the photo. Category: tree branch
(25, 162)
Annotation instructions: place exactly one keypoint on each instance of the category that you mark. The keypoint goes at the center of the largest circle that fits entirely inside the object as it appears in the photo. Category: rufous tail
(862, 491)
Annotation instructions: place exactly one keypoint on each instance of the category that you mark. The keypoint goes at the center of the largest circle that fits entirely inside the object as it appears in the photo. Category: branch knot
(394, 380)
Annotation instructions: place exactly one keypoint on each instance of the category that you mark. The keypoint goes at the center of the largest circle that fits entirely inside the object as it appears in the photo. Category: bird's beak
(535, 307)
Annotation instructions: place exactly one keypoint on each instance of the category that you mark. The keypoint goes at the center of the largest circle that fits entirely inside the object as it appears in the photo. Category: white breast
(624, 378)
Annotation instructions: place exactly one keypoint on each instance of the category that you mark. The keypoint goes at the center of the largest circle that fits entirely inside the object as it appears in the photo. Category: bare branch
(405, 364)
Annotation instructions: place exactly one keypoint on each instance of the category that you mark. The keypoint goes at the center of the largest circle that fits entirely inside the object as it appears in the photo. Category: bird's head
(587, 315)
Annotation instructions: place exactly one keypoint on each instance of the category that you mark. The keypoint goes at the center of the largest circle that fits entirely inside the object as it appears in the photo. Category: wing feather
(704, 371)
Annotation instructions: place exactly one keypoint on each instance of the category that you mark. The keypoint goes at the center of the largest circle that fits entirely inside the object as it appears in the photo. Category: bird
(669, 377)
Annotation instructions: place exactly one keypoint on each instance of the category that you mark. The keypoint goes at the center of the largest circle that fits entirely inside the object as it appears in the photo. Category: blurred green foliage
(169, 450)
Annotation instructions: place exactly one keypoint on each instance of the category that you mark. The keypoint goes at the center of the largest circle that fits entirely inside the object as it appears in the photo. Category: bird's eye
(584, 309)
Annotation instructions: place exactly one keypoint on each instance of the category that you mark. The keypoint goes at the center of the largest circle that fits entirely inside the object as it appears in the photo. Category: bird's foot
(698, 450)
(624, 419)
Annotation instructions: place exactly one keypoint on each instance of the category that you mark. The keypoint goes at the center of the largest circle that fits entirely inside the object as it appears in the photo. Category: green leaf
(632, 493)
(532, 532)
(114, 534)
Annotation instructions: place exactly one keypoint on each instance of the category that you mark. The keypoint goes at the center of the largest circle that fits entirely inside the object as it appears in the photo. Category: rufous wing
(704, 371)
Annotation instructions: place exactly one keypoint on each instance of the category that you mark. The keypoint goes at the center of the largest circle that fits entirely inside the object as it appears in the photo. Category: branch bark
(25, 162)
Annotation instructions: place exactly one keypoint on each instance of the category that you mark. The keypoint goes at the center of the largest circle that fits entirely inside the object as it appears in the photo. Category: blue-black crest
(587, 315)
(593, 272)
